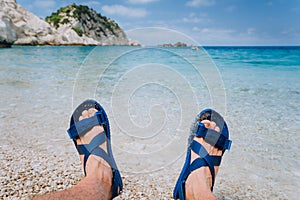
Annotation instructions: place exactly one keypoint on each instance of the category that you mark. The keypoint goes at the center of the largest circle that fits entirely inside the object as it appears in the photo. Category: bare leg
(199, 182)
(98, 180)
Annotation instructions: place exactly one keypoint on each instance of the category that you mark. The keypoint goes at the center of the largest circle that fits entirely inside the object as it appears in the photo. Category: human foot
(95, 165)
(90, 132)
(199, 182)
(206, 145)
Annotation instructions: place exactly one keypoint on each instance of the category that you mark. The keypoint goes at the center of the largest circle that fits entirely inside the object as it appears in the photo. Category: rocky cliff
(7, 32)
(89, 26)
(28, 28)
(7, 28)
(71, 25)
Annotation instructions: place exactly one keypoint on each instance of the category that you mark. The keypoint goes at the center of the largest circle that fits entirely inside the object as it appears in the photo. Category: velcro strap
(84, 149)
(210, 161)
(81, 127)
(196, 164)
(201, 130)
(199, 149)
(102, 154)
(212, 137)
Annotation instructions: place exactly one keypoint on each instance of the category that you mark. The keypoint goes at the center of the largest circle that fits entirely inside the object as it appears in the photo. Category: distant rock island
(70, 25)
(177, 44)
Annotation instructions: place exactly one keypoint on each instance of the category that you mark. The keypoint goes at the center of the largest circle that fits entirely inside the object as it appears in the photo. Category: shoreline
(203, 46)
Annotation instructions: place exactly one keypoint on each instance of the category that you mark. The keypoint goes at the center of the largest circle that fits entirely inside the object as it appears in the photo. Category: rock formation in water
(71, 25)
(177, 44)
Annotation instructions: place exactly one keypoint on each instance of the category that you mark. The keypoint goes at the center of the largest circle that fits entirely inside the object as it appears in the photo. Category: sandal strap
(94, 149)
(201, 151)
(101, 153)
(98, 152)
(204, 160)
(116, 179)
(95, 142)
(214, 138)
(81, 127)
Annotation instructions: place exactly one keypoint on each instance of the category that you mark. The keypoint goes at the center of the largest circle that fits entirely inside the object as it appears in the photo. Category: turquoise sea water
(152, 95)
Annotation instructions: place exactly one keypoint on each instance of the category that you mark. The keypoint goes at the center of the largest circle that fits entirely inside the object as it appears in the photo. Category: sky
(208, 22)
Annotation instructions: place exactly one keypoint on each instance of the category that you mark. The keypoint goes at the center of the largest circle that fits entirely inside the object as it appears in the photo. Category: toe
(212, 125)
(206, 123)
(91, 112)
(217, 129)
(84, 114)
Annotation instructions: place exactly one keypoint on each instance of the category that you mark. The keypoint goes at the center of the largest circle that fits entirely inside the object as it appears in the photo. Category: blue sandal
(214, 138)
(80, 128)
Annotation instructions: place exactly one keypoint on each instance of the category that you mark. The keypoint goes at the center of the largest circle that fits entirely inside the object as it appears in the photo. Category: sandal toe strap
(80, 128)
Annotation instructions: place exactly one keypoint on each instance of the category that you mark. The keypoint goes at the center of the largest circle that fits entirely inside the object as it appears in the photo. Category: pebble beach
(37, 156)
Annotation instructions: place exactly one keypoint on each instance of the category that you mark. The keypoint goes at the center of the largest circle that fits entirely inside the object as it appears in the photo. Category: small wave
(17, 83)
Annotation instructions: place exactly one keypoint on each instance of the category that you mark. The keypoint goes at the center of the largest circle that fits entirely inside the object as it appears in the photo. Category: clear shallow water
(152, 96)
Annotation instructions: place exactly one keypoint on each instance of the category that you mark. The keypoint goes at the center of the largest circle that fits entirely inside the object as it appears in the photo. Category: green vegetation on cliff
(78, 31)
(54, 19)
(87, 17)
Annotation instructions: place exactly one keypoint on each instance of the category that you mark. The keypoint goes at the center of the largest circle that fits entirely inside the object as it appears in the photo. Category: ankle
(99, 169)
(198, 185)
